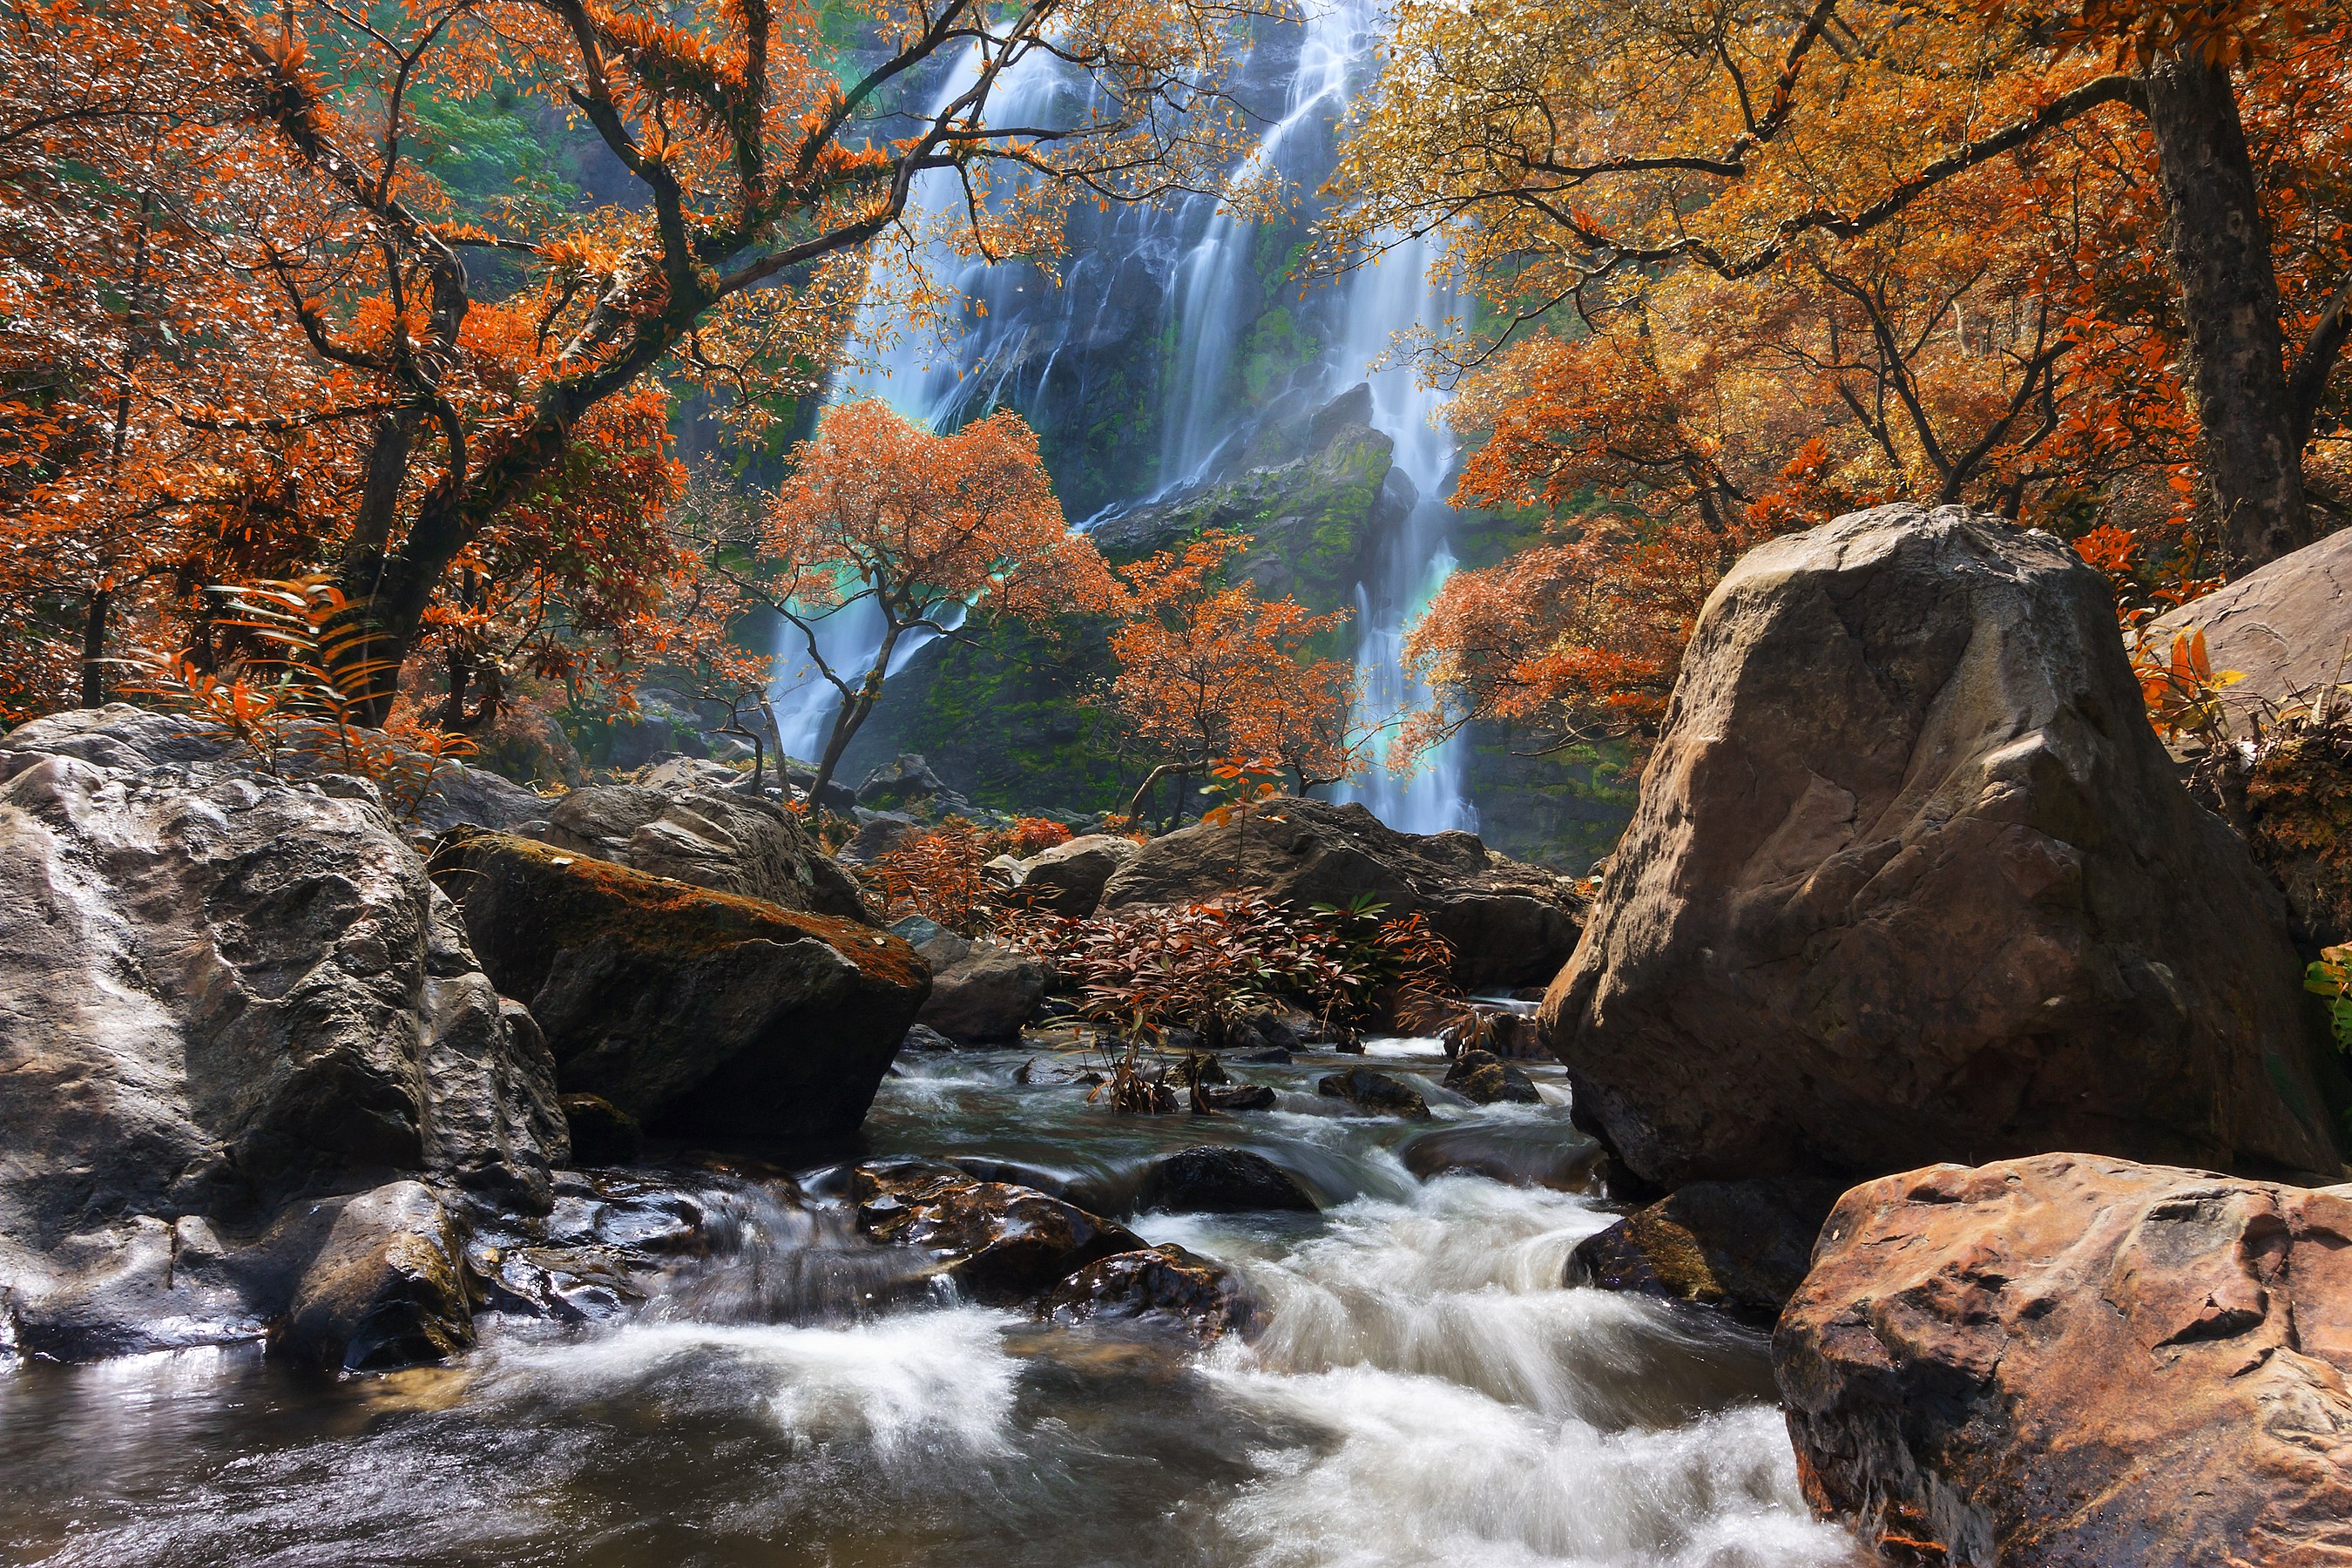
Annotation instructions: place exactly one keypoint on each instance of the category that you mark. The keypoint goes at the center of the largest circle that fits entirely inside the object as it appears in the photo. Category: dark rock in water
(1509, 923)
(1742, 1245)
(1483, 1076)
(1001, 1243)
(1070, 878)
(602, 1133)
(923, 1037)
(903, 783)
(1533, 1156)
(387, 1290)
(1239, 1096)
(1376, 1092)
(716, 838)
(699, 1013)
(1211, 1179)
(1267, 1055)
(1254, 1034)
(1958, 904)
(987, 995)
(2071, 1359)
(222, 996)
(1165, 1283)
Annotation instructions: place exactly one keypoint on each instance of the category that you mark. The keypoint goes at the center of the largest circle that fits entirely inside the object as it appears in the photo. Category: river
(1423, 1390)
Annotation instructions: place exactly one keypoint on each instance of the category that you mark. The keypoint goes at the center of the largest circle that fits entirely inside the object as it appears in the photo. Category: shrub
(1033, 833)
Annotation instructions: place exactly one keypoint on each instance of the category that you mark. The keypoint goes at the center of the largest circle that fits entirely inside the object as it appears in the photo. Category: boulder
(986, 995)
(222, 994)
(1483, 1078)
(387, 1290)
(1375, 1093)
(2069, 1359)
(1068, 878)
(1161, 1284)
(714, 838)
(999, 1242)
(1518, 1154)
(2285, 628)
(699, 1013)
(878, 832)
(121, 736)
(905, 783)
(1209, 1179)
(1740, 1246)
(1239, 1096)
(1912, 877)
(923, 1037)
(1509, 923)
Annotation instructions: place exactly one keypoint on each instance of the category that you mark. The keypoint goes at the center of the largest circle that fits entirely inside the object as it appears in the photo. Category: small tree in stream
(926, 529)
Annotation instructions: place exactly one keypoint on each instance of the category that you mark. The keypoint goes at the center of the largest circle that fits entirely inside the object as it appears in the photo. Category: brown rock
(1508, 922)
(1374, 1092)
(696, 1011)
(1002, 1242)
(1165, 1283)
(1740, 1246)
(387, 1290)
(2287, 629)
(985, 995)
(2079, 1360)
(1070, 878)
(1482, 1077)
(1911, 877)
(718, 838)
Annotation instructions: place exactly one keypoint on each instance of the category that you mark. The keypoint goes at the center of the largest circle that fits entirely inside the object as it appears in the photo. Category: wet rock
(2069, 1359)
(716, 838)
(1271, 1055)
(987, 995)
(1239, 1096)
(1266, 1029)
(1508, 922)
(1209, 1179)
(389, 1288)
(221, 994)
(602, 1133)
(1520, 1156)
(1909, 764)
(1001, 1243)
(1741, 1245)
(1070, 878)
(699, 1013)
(1165, 1283)
(1484, 1077)
(1374, 1092)
(923, 1037)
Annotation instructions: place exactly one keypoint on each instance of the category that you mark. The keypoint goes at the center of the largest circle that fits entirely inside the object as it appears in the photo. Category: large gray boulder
(119, 735)
(1912, 878)
(224, 997)
(715, 838)
(1510, 924)
(698, 1013)
(2070, 1360)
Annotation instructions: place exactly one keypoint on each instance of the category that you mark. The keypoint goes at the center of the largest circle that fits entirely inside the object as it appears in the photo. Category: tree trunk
(2219, 249)
(853, 713)
(93, 650)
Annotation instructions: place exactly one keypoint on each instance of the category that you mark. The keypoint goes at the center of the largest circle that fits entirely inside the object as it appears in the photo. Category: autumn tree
(1581, 153)
(410, 372)
(920, 530)
(1210, 672)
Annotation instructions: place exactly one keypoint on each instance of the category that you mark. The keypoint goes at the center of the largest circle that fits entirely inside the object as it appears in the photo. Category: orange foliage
(1210, 672)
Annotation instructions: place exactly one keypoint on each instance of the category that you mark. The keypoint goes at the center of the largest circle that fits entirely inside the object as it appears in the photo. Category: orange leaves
(2182, 690)
(1210, 672)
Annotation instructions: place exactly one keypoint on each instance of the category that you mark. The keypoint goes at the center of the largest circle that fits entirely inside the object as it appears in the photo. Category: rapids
(1423, 1390)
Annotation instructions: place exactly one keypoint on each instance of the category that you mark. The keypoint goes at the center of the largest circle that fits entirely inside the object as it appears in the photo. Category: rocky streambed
(763, 1374)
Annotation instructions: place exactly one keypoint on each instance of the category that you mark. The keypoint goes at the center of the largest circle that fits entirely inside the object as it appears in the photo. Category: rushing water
(1422, 1391)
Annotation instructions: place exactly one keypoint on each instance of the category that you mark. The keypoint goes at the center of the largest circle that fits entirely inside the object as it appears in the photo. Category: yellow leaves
(2182, 690)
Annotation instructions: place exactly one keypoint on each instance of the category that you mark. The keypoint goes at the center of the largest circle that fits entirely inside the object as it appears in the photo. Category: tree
(408, 365)
(922, 529)
(1579, 151)
(1208, 672)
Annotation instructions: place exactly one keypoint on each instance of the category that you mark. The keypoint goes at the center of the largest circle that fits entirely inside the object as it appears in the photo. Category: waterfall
(1188, 267)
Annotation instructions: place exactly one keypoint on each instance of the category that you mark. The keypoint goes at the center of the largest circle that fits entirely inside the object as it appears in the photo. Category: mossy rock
(698, 1013)
(1743, 1246)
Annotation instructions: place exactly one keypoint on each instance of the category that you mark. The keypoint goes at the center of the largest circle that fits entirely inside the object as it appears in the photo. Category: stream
(1422, 1391)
